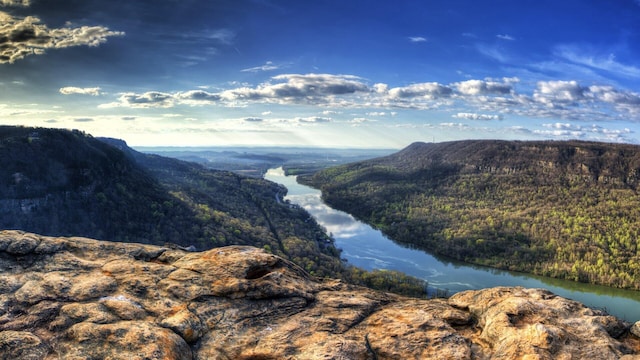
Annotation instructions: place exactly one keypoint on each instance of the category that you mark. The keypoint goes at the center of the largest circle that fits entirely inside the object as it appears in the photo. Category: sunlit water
(368, 248)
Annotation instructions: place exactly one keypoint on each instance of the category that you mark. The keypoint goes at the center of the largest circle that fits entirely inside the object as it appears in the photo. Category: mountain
(77, 298)
(67, 183)
(569, 209)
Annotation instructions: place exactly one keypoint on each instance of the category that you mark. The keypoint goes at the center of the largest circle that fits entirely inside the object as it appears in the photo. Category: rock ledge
(77, 298)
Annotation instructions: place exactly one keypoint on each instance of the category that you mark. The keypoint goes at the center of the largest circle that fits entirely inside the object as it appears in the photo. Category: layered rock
(76, 298)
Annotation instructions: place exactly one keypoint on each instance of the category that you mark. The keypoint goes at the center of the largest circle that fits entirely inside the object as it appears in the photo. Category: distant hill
(562, 209)
(68, 183)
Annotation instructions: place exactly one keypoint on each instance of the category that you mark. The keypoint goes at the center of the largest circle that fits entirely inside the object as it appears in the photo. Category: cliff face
(77, 298)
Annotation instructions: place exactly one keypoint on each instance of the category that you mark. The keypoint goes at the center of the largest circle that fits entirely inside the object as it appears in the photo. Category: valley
(68, 183)
(368, 248)
(565, 210)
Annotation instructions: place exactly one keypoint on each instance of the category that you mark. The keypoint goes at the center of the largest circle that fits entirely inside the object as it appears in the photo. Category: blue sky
(326, 73)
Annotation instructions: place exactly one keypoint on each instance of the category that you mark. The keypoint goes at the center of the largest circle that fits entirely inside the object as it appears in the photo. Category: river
(369, 249)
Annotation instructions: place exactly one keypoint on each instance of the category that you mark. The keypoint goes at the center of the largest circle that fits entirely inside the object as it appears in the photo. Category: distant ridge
(567, 209)
(594, 161)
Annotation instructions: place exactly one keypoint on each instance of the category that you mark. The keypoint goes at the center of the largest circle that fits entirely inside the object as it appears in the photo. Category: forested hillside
(67, 183)
(569, 210)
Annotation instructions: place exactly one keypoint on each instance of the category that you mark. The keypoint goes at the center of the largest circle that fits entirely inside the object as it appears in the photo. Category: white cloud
(360, 120)
(558, 92)
(221, 36)
(225, 36)
(505, 37)
(484, 87)
(611, 95)
(297, 88)
(268, 66)
(454, 125)
(26, 36)
(574, 131)
(195, 97)
(381, 88)
(431, 90)
(70, 90)
(558, 126)
(474, 116)
(471, 99)
(313, 119)
(585, 56)
(417, 39)
(494, 52)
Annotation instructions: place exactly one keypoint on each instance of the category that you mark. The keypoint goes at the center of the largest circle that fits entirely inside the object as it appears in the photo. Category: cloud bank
(549, 99)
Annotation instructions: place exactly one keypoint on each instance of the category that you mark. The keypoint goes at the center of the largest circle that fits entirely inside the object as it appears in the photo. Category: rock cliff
(76, 298)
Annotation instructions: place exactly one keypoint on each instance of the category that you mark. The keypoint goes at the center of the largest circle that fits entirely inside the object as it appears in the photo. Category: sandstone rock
(518, 322)
(76, 298)
(635, 329)
(122, 340)
(21, 345)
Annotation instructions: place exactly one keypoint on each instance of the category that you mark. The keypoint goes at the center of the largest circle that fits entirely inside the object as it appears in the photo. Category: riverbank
(366, 247)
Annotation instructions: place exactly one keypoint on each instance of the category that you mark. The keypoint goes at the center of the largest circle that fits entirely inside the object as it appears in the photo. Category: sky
(323, 73)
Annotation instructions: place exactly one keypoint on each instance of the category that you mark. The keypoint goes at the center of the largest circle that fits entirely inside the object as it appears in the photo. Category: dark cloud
(145, 100)
(14, 3)
(253, 119)
(83, 120)
(24, 36)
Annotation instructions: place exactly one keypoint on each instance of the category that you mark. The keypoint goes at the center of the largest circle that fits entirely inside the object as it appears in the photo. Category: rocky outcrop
(75, 298)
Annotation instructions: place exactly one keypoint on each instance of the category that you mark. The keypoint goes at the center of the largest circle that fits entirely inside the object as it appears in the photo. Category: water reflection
(368, 248)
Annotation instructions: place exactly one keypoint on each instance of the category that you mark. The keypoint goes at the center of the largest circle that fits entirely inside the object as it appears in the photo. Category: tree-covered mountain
(562, 209)
(67, 183)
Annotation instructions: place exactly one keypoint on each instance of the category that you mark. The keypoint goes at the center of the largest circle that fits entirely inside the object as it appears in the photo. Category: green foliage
(569, 210)
(388, 280)
(66, 183)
